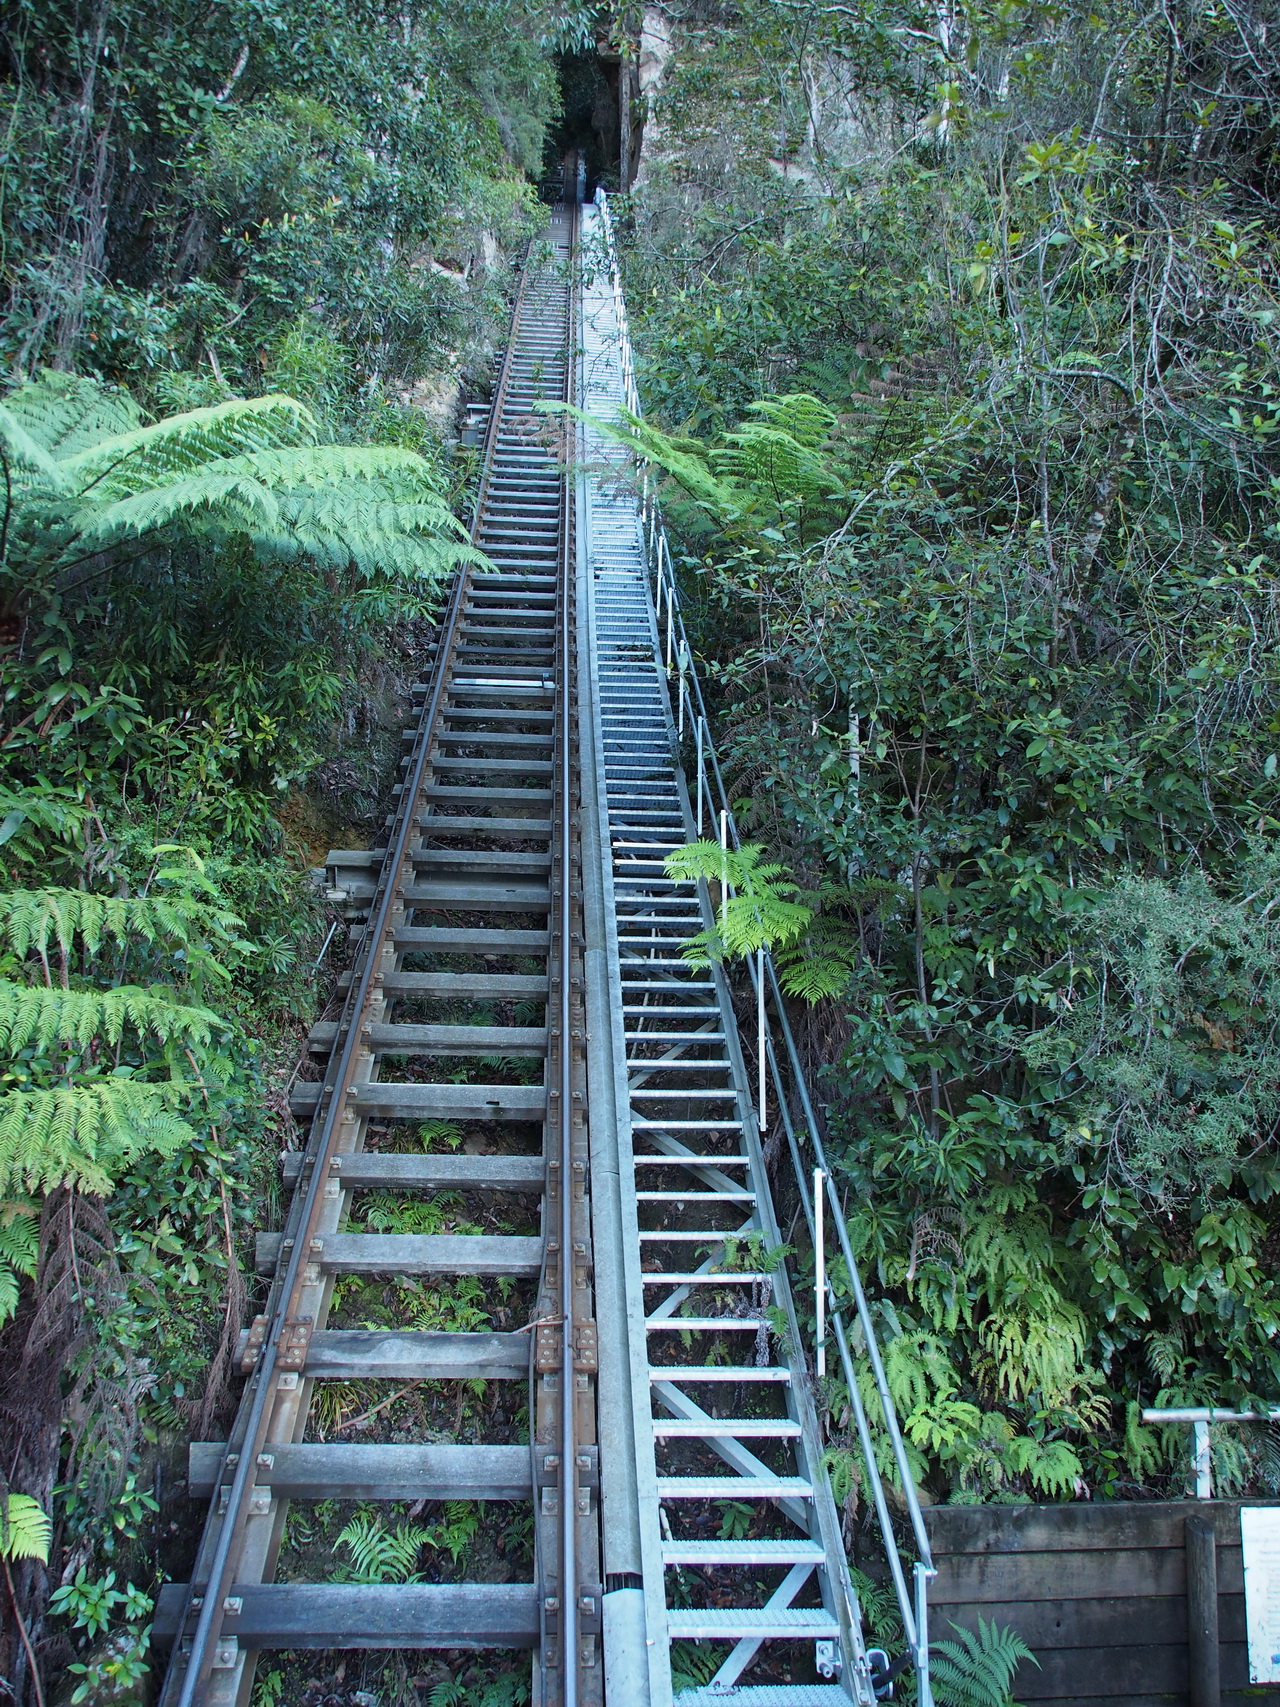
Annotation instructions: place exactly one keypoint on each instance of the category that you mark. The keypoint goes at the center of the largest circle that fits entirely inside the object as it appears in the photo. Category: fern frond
(1037, 1353)
(19, 1238)
(23, 455)
(775, 456)
(819, 963)
(377, 507)
(131, 462)
(686, 460)
(19, 1250)
(803, 417)
(25, 1529)
(758, 916)
(83, 1136)
(33, 1016)
(1053, 1466)
(977, 1669)
(380, 1554)
(32, 919)
(66, 414)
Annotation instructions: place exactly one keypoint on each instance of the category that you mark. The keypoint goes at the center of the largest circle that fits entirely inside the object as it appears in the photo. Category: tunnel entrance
(590, 119)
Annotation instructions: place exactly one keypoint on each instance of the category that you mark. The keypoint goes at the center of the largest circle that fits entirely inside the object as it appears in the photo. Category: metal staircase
(739, 1534)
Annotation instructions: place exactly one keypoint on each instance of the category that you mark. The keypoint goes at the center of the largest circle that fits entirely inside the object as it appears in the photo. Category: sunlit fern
(381, 1554)
(84, 1136)
(79, 459)
(34, 921)
(754, 910)
(977, 1669)
(25, 1530)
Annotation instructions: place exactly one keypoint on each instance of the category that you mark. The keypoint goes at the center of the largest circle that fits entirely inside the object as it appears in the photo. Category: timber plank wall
(1097, 1592)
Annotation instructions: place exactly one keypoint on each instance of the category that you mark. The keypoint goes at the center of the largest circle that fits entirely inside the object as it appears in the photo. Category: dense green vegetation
(958, 332)
(248, 256)
(988, 594)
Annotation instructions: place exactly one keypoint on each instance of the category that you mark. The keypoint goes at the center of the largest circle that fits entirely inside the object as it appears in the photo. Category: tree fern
(84, 1136)
(758, 915)
(977, 1669)
(770, 461)
(23, 456)
(40, 1018)
(251, 468)
(19, 1249)
(774, 456)
(180, 444)
(25, 1530)
(33, 920)
(819, 963)
(65, 414)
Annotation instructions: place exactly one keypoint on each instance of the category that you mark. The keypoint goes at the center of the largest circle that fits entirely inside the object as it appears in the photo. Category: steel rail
(569, 1652)
(249, 1441)
(679, 654)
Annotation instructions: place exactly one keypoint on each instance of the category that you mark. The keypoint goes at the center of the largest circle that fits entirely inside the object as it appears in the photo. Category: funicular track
(526, 1052)
(456, 1066)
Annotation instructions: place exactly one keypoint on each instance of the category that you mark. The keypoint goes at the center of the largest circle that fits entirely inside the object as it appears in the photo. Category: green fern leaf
(134, 461)
(33, 920)
(380, 1554)
(83, 1136)
(758, 915)
(25, 1529)
(43, 1018)
(977, 1669)
(19, 1238)
(66, 414)
(23, 455)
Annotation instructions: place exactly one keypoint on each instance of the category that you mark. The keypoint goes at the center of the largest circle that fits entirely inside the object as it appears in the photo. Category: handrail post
(819, 1277)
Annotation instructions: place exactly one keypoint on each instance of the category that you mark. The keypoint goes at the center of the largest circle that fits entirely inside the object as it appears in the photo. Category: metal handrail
(679, 659)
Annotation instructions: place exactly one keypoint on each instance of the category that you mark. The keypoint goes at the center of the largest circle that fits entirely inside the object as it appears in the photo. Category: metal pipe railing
(709, 785)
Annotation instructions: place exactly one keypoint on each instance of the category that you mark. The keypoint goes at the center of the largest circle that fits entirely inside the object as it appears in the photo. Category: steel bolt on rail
(671, 1399)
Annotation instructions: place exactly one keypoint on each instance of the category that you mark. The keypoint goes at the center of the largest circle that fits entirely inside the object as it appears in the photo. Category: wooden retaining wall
(1097, 1592)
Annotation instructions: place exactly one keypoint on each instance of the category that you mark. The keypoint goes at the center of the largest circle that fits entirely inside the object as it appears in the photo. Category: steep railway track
(471, 912)
(560, 1110)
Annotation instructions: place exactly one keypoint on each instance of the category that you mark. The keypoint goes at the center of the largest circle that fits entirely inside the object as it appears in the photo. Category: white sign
(1260, 1539)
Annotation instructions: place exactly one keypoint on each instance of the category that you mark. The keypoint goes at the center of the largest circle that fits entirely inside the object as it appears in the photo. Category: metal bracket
(586, 1355)
(225, 1654)
(294, 1341)
(253, 1345)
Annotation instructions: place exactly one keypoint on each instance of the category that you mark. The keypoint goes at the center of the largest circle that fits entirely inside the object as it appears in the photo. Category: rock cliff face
(657, 43)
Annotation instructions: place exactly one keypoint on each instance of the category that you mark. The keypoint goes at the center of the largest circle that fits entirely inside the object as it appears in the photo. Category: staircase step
(733, 1487)
(682, 1374)
(733, 1552)
(731, 1428)
(766, 1695)
(705, 1324)
(731, 1623)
